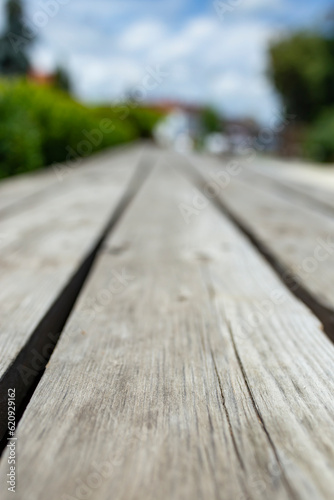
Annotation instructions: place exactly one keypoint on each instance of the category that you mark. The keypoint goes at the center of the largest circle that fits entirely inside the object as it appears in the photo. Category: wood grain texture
(299, 237)
(312, 196)
(314, 180)
(15, 191)
(24, 191)
(168, 383)
(43, 246)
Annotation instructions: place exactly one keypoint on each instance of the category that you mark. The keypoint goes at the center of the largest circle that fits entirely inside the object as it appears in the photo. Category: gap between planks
(24, 374)
(26, 190)
(320, 308)
(315, 199)
(135, 386)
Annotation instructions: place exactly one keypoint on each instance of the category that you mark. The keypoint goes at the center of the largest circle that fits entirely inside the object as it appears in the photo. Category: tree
(211, 120)
(15, 42)
(302, 70)
(62, 80)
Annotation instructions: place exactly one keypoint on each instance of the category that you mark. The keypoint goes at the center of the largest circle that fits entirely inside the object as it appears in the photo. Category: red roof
(169, 105)
(41, 78)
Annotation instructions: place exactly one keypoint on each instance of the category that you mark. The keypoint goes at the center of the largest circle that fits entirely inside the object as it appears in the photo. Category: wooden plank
(298, 238)
(44, 246)
(309, 176)
(22, 191)
(314, 192)
(162, 386)
(43, 251)
(15, 190)
(311, 185)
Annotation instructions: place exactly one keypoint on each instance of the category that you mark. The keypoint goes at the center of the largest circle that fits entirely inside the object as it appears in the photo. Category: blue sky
(110, 46)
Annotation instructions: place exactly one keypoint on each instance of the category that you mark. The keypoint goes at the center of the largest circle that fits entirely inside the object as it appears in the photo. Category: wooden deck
(191, 303)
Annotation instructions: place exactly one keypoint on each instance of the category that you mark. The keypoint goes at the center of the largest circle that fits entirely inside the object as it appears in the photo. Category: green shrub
(122, 128)
(61, 120)
(145, 119)
(141, 120)
(319, 140)
(40, 125)
(20, 139)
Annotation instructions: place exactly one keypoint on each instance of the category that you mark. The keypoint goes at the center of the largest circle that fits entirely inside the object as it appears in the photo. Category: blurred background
(222, 76)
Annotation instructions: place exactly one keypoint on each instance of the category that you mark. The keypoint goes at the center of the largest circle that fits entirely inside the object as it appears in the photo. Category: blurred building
(41, 78)
(290, 141)
(241, 134)
(182, 129)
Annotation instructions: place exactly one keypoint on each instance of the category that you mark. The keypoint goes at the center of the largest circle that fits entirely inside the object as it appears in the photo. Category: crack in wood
(24, 374)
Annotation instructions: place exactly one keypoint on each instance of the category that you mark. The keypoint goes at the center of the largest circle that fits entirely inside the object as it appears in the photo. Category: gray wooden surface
(43, 245)
(24, 191)
(186, 370)
(295, 231)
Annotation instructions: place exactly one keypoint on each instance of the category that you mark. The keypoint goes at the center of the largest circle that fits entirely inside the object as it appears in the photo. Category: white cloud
(142, 35)
(246, 96)
(43, 60)
(200, 28)
(256, 5)
(107, 78)
(207, 60)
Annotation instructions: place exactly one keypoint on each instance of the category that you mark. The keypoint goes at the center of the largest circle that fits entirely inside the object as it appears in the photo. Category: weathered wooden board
(298, 237)
(311, 192)
(186, 370)
(15, 190)
(314, 179)
(43, 246)
(26, 190)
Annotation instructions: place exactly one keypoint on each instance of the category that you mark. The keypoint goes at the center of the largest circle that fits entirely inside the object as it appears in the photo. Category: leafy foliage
(211, 121)
(15, 42)
(20, 141)
(319, 140)
(141, 119)
(302, 70)
(42, 125)
(62, 80)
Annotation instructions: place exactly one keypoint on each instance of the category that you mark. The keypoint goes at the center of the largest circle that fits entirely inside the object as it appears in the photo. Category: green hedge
(40, 126)
(142, 119)
(20, 141)
(319, 140)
